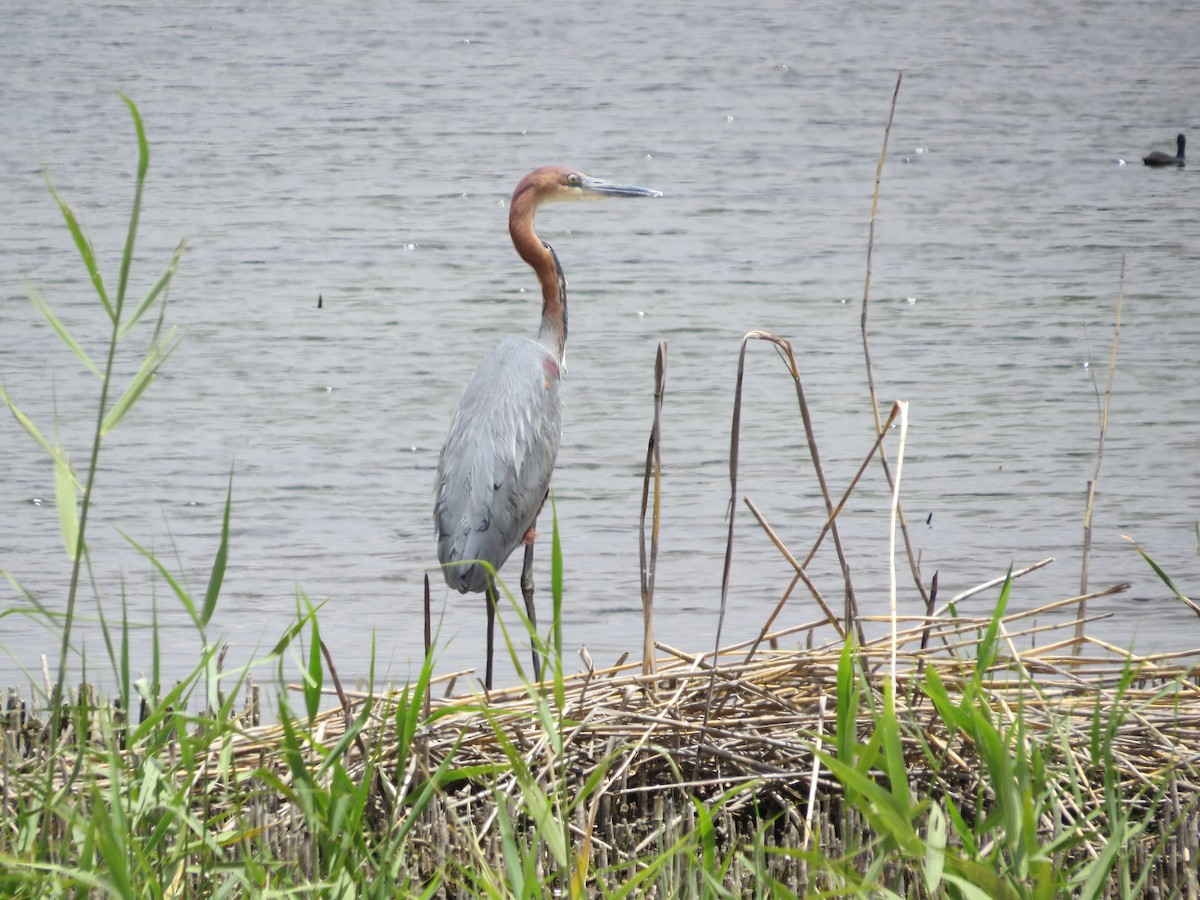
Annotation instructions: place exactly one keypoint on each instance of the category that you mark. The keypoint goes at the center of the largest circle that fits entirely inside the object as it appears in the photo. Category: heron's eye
(573, 180)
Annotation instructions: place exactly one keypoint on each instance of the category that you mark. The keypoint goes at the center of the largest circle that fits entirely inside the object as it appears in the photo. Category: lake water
(365, 153)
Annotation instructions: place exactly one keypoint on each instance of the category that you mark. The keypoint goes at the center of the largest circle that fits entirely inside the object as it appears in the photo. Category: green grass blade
(43, 306)
(67, 501)
(978, 879)
(935, 690)
(534, 800)
(314, 673)
(164, 280)
(556, 593)
(893, 750)
(1166, 579)
(109, 825)
(333, 758)
(136, 213)
(988, 646)
(184, 597)
(1098, 871)
(290, 635)
(155, 685)
(509, 851)
(137, 386)
(967, 890)
(705, 833)
(25, 422)
(124, 673)
(877, 805)
(217, 577)
(963, 831)
(935, 849)
(407, 716)
(848, 690)
(86, 251)
(994, 752)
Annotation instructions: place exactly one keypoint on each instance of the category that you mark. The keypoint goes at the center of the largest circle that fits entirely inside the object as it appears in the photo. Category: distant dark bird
(320, 301)
(493, 474)
(1159, 159)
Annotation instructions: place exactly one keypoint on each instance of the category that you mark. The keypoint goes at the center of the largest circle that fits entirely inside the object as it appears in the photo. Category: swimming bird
(1158, 159)
(493, 474)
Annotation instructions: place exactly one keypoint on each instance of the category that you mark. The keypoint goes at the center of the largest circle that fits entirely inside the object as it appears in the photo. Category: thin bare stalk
(994, 582)
(348, 711)
(914, 565)
(903, 407)
(816, 771)
(428, 641)
(1091, 486)
(800, 574)
(887, 131)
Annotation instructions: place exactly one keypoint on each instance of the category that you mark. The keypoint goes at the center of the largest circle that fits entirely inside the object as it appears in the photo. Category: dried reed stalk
(912, 559)
(1091, 485)
(830, 525)
(784, 348)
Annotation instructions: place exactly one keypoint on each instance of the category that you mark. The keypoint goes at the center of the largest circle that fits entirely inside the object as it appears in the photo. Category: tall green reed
(73, 509)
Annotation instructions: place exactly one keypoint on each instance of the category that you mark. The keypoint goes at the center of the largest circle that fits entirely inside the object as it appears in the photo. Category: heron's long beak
(594, 187)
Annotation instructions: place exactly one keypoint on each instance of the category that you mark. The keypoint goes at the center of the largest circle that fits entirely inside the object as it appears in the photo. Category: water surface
(366, 155)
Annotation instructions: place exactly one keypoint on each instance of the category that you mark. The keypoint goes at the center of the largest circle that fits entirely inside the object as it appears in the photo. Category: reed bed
(654, 740)
(632, 757)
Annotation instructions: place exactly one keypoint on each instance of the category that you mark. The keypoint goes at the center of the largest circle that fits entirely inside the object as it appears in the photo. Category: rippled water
(366, 155)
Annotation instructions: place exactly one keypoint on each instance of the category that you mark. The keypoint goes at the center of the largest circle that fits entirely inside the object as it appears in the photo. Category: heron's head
(553, 183)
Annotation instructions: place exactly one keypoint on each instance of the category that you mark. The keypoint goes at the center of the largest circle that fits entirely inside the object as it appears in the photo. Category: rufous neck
(541, 258)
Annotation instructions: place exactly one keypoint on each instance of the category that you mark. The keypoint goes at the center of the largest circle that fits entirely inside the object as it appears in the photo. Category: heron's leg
(490, 599)
(527, 593)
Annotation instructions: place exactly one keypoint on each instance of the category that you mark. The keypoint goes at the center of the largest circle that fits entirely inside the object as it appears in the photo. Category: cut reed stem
(653, 470)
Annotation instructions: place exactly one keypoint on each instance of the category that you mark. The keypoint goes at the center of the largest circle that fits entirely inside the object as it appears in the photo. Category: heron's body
(494, 471)
(1158, 159)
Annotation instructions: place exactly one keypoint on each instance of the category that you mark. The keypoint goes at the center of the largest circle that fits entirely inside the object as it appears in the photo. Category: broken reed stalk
(851, 605)
(377, 788)
(830, 524)
(914, 565)
(988, 585)
(815, 773)
(929, 604)
(871, 251)
(801, 575)
(653, 466)
(784, 349)
(902, 406)
(1091, 485)
(428, 638)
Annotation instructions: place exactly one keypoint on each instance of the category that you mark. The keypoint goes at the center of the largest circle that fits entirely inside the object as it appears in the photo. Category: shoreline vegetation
(962, 756)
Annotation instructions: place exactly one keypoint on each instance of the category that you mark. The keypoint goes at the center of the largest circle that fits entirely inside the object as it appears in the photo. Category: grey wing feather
(494, 470)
